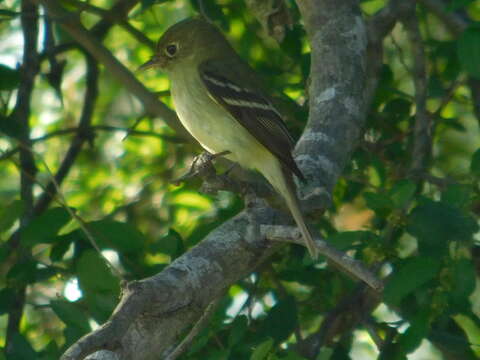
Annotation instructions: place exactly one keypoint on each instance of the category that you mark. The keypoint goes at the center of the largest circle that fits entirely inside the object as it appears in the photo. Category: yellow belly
(213, 126)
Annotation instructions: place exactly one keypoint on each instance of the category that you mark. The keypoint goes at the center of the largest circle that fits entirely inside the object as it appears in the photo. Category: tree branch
(21, 115)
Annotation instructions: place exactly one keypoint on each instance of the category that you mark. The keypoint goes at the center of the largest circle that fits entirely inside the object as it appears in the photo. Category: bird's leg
(201, 166)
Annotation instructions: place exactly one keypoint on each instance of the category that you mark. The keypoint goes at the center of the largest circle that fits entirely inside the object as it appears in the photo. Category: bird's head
(190, 41)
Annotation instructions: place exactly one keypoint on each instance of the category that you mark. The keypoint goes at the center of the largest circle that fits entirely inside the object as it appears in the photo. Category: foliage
(422, 229)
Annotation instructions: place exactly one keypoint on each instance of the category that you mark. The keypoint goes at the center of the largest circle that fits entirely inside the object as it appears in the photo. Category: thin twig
(61, 200)
(115, 18)
(83, 226)
(91, 129)
(349, 265)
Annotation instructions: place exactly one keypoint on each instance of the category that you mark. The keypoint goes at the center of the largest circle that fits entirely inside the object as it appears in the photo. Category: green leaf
(458, 195)
(9, 78)
(292, 355)
(43, 229)
(94, 274)
(397, 109)
(380, 203)
(292, 44)
(281, 320)
(402, 192)
(262, 350)
(117, 235)
(220, 354)
(238, 330)
(457, 4)
(61, 244)
(23, 273)
(10, 127)
(455, 340)
(408, 276)
(435, 224)
(10, 213)
(50, 352)
(146, 4)
(99, 287)
(392, 351)
(7, 299)
(21, 348)
(475, 163)
(463, 281)
(468, 51)
(346, 239)
(71, 314)
(171, 244)
(411, 339)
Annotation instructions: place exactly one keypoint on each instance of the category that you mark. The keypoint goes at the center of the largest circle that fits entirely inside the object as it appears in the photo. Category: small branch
(114, 18)
(350, 266)
(92, 129)
(422, 142)
(199, 326)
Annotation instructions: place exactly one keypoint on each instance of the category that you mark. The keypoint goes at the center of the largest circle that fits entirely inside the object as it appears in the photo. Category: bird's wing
(253, 110)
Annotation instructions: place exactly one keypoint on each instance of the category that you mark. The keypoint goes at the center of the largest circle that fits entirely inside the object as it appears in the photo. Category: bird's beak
(153, 62)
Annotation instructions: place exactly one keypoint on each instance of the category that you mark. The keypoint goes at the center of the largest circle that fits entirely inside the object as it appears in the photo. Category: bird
(221, 102)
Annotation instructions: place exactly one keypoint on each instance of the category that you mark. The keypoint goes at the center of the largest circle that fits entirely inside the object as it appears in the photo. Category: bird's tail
(287, 189)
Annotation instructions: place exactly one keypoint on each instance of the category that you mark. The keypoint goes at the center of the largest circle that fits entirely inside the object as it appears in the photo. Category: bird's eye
(171, 50)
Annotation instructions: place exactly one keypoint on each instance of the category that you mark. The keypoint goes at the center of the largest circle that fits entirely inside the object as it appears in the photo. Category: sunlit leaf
(43, 229)
(10, 213)
(71, 314)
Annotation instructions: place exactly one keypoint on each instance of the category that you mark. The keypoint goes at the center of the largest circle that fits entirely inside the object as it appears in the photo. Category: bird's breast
(211, 124)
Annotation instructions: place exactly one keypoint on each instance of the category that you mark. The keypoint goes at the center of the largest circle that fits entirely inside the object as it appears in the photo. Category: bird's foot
(201, 166)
